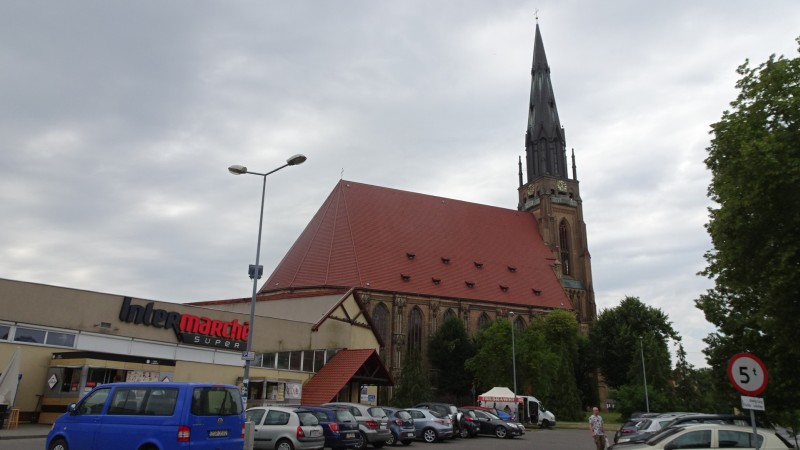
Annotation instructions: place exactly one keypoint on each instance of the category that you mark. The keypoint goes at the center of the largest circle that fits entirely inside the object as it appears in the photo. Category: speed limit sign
(747, 373)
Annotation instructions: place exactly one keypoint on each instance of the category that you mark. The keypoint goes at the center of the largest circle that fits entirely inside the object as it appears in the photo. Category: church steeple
(545, 143)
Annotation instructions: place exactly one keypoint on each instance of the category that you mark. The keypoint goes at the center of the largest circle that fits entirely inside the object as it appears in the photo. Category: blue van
(152, 416)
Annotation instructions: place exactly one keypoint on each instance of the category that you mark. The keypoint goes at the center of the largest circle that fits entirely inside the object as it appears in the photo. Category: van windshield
(216, 401)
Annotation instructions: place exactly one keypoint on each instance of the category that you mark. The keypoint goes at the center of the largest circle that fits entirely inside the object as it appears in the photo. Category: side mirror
(72, 408)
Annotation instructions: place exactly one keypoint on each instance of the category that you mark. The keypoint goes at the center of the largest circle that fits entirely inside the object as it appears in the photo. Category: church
(413, 260)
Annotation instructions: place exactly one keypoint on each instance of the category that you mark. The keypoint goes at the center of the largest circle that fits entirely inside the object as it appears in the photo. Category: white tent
(499, 394)
(9, 380)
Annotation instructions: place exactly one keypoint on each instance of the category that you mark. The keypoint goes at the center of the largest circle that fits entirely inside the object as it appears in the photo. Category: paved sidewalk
(25, 431)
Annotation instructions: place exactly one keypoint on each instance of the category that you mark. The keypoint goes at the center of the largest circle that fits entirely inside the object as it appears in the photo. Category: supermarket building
(70, 340)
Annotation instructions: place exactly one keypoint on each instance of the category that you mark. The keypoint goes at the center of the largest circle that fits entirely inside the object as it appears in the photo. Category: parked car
(646, 429)
(281, 428)
(430, 426)
(497, 412)
(401, 424)
(469, 427)
(373, 425)
(710, 435)
(491, 424)
(338, 425)
(629, 427)
(448, 410)
(152, 415)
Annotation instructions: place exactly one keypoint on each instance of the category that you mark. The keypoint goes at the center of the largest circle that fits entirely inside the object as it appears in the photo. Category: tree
(754, 159)
(491, 365)
(617, 335)
(448, 348)
(413, 386)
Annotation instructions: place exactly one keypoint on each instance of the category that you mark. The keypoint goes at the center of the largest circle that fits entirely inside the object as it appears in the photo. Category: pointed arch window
(380, 317)
(415, 330)
(519, 325)
(564, 244)
(483, 321)
(449, 314)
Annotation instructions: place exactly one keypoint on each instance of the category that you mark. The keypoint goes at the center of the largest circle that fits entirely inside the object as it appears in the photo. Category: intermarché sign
(189, 329)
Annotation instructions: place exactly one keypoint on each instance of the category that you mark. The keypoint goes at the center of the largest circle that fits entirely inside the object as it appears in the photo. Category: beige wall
(34, 361)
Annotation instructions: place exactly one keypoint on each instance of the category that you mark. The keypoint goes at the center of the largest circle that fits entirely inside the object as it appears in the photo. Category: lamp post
(513, 359)
(256, 270)
(644, 374)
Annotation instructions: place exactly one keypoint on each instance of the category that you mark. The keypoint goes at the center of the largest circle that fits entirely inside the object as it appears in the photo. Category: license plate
(315, 433)
(350, 436)
(217, 433)
(410, 434)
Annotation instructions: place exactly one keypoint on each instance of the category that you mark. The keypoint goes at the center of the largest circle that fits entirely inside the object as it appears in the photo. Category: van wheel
(501, 432)
(429, 435)
(284, 444)
(545, 423)
(58, 444)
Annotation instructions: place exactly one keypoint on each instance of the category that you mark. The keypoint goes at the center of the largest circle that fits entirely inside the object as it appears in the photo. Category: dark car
(401, 424)
(491, 424)
(447, 410)
(629, 427)
(338, 425)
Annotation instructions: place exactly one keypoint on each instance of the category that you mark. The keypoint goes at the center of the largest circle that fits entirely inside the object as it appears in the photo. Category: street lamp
(513, 358)
(256, 270)
(644, 374)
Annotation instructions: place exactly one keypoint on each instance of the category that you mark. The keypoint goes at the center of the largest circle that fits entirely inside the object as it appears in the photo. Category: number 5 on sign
(747, 373)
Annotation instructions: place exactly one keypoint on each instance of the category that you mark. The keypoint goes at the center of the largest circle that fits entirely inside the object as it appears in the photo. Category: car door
(484, 422)
(691, 439)
(84, 423)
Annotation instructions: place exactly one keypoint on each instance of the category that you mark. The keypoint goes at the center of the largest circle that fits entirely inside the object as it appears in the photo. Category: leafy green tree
(413, 386)
(754, 158)
(620, 334)
(561, 331)
(448, 348)
(492, 365)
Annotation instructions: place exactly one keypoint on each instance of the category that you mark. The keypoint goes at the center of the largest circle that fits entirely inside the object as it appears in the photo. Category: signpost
(749, 376)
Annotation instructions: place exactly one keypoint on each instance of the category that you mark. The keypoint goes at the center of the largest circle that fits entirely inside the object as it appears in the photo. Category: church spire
(545, 143)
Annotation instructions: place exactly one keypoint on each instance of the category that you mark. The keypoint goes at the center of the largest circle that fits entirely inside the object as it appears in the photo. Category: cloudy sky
(118, 121)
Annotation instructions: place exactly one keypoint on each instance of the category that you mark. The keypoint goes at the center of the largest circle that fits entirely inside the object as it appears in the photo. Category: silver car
(372, 423)
(431, 426)
(278, 428)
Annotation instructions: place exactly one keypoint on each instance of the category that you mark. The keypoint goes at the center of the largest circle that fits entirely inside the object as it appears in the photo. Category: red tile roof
(385, 239)
(345, 366)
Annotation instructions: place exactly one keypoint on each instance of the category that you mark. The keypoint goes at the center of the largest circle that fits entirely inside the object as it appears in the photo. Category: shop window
(4, 330)
(319, 359)
(97, 376)
(72, 376)
(268, 360)
(295, 358)
(36, 336)
(60, 339)
(283, 360)
(30, 335)
(308, 361)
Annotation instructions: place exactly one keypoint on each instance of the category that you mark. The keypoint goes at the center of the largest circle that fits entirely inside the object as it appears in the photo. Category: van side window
(94, 402)
(160, 402)
(143, 401)
(216, 401)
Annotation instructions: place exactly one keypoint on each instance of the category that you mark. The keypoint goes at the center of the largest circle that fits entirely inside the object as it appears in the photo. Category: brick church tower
(550, 194)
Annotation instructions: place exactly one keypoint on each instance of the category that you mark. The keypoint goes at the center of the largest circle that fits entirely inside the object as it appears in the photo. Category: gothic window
(380, 317)
(415, 330)
(519, 325)
(563, 242)
(483, 321)
(448, 315)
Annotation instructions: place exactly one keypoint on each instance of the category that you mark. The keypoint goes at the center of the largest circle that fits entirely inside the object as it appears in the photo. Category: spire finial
(536, 15)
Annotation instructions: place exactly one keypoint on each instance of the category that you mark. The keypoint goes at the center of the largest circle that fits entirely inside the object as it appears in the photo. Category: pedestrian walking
(598, 429)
